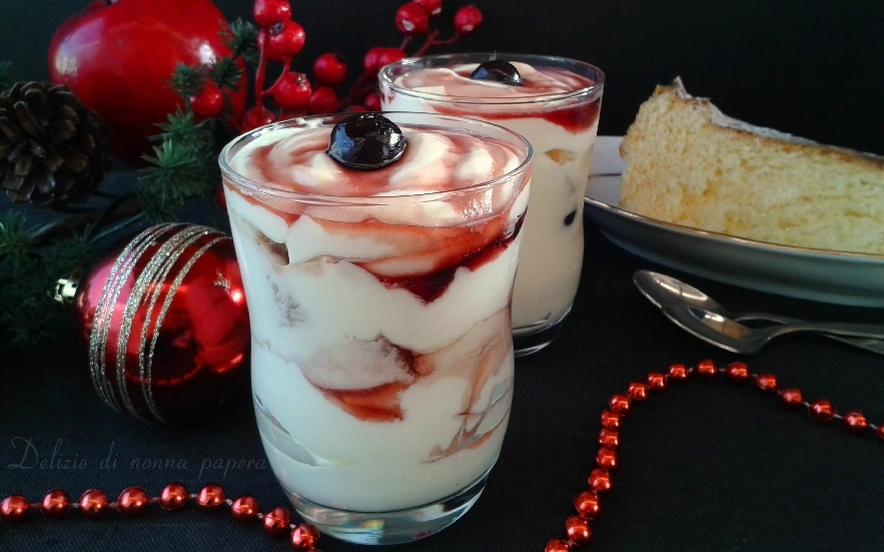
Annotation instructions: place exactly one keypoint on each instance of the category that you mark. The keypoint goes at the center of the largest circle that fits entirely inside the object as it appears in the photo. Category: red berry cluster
(280, 39)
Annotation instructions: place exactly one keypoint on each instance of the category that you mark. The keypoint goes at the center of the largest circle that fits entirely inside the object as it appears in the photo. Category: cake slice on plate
(689, 164)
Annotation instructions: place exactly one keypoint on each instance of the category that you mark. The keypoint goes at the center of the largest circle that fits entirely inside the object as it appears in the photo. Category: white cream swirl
(296, 160)
(455, 81)
(406, 191)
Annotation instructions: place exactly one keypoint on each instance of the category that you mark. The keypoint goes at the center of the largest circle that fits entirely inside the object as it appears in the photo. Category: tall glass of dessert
(378, 254)
(554, 102)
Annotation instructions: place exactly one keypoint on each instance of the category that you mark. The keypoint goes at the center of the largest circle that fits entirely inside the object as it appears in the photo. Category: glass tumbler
(382, 356)
(556, 107)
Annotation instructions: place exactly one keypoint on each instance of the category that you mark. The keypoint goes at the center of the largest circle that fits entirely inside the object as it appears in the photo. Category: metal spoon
(732, 336)
(664, 290)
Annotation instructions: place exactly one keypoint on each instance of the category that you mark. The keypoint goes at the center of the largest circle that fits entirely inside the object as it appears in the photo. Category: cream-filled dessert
(555, 104)
(382, 363)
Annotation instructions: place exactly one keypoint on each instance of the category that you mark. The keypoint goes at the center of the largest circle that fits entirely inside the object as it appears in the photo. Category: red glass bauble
(165, 324)
(117, 56)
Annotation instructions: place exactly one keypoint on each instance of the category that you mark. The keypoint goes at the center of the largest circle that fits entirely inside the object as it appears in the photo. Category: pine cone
(53, 150)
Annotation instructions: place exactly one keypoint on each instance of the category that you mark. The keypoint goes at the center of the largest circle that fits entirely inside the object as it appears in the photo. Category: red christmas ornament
(118, 55)
(165, 323)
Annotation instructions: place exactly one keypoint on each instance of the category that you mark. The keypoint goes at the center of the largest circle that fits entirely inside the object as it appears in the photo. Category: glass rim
(386, 78)
(254, 188)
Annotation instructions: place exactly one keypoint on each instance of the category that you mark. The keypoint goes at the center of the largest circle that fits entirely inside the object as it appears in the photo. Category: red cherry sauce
(575, 115)
(573, 119)
(430, 286)
(375, 404)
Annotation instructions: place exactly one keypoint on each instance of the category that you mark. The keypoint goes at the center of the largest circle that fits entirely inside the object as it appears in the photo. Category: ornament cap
(65, 290)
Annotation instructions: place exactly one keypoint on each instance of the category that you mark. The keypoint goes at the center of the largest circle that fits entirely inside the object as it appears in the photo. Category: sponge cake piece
(689, 164)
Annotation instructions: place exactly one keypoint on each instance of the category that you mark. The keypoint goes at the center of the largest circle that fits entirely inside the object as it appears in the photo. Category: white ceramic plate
(818, 275)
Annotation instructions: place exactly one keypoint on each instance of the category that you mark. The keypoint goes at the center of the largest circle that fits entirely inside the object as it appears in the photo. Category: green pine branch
(187, 81)
(242, 39)
(28, 276)
(183, 167)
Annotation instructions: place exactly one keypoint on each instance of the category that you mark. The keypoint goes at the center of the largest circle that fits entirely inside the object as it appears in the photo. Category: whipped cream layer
(382, 362)
(456, 81)
(291, 159)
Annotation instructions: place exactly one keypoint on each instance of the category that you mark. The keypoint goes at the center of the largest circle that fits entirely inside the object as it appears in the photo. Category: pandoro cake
(689, 164)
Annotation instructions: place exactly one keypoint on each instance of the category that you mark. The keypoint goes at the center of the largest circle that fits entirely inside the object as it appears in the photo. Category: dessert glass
(561, 122)
(382, 357)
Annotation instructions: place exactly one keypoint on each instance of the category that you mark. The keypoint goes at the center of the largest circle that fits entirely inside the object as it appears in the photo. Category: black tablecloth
(703, 466)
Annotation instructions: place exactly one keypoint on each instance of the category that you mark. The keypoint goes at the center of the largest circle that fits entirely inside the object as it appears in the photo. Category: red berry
(358, 109)
(284, 40)
(412, 19)
(324, 100)
(433, 7)
(209, 102)
(467, 20)
(256, 117)
(377, 57)
(330, 69)
(389, 55)
(372, 102)
(270, 12)
(292, 91)
(370, 61)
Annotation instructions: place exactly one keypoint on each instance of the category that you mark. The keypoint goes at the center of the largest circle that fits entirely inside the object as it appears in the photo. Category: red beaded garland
(610, 420)
(210, 497)
(133, 501)
(678, 373)
(856, 422)
(245, 509)
(606, 459)
(174, 496)
(93, 503)
(556, 545)
(577, 529)
(766, 382)
(637, 391)
(587, 504)
(609, 438)
(600, 480)
(792, 398)
(56, 504)
(620, 404)
(14, 508)
(303, 537)
(706, 370)
(737, 372)
(657, 381)
(821, 410)
(276, 521)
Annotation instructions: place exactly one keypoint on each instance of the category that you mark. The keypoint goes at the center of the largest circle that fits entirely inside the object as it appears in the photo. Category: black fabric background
(704, 467)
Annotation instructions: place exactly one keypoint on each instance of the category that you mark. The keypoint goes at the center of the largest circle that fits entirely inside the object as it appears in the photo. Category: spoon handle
(869, 344)
(875, 331)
